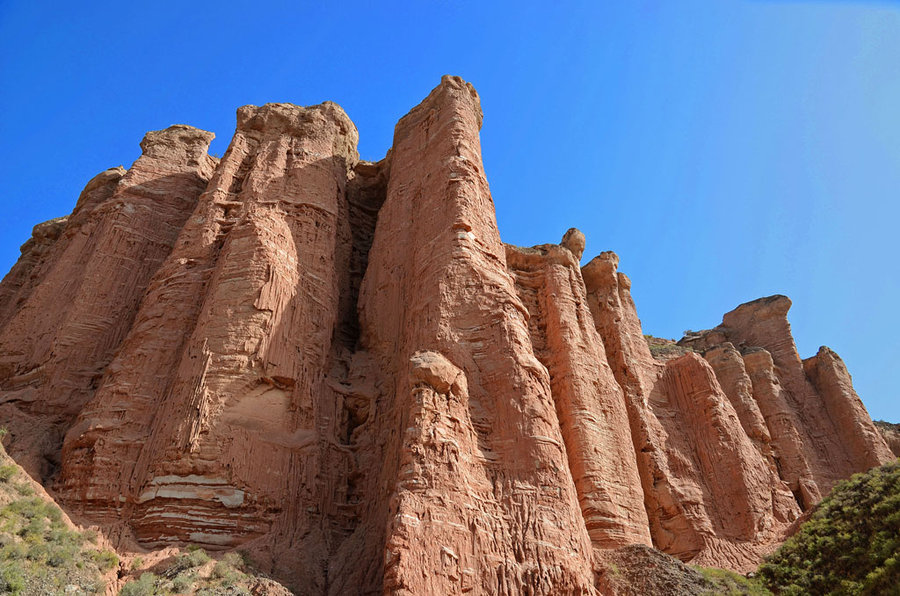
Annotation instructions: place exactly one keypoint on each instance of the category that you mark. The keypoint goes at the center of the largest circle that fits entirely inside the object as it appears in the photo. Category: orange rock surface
(891, 434)
(339, 367)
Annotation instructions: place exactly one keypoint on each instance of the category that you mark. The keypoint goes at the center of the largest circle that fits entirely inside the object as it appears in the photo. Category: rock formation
(338, 366)
(819, 428)
(891, 433)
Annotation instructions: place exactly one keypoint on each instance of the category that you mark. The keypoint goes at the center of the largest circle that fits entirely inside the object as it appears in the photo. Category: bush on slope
(850, 545)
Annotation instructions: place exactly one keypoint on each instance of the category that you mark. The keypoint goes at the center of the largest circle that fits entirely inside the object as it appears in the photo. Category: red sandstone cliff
(340, 367)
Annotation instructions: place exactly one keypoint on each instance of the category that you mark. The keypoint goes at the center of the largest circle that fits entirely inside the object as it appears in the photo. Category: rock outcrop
(710, 494)
(891, 434)
(339, 367)
(820, 431)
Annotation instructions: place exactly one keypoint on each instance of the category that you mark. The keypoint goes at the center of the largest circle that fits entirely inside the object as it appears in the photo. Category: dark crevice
(240, 176)
(798, 496)
(366, 192)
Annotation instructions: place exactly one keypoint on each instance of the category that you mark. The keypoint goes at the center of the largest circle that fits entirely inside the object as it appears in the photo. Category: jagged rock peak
(273, 119)
(601, 270)
(452, 86)
(574, 240)
(104, 178)
(776, 306)
(178, 139)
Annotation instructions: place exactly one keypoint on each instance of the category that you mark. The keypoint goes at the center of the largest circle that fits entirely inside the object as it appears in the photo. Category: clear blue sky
(725, 150)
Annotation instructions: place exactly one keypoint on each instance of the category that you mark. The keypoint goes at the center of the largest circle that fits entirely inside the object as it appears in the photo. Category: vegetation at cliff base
(729, 583)
(39, 553)
(850, 545)
(195, 573)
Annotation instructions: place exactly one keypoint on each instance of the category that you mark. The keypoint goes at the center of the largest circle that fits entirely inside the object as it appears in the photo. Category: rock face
(338, 366)
(819, 429)
(891, 434)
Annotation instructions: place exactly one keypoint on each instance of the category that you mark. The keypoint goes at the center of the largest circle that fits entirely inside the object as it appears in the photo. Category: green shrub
(233, 559)
(850, 545)
(220, 569)
(61, 557)
(104, 559)
(145, 586)
(62, 536)
(665, 348)
(226, 573)
(729, 583)
(11, 580)
(34, 530)
(38, 552)
(13, 551)
(184, 581)
(248, 560)
(24, 489)
(7, 472)
(195, 557)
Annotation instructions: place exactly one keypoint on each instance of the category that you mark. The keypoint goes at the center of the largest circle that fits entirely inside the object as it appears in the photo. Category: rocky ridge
(338, 366)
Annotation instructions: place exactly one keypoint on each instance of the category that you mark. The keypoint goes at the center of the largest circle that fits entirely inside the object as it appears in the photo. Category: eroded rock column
(817, 413)
(57, 345)
(589, 403)
(783, 425)
(505, 518)
(216, 419)
(710, 495)
(672, 499)
(858, 434)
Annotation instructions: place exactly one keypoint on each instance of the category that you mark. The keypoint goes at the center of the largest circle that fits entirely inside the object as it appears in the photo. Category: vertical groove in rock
(366, 191)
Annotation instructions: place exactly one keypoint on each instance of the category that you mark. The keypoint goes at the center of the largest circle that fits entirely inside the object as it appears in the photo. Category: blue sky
(726, 150)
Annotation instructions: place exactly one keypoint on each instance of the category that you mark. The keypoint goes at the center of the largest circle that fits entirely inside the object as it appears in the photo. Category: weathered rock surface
(466, 426)
(638, 570)
(819, 428)
(709, 492)
(66, 321)
(891, 434)
(589, 403)
(338, 366)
